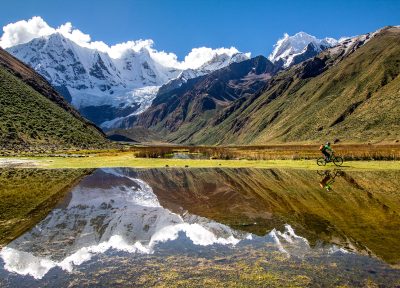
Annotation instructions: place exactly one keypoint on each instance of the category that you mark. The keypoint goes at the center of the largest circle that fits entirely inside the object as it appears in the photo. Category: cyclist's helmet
(328, 143)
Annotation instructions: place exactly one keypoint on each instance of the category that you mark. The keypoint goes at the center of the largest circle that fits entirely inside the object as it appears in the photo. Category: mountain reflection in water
(137, 210)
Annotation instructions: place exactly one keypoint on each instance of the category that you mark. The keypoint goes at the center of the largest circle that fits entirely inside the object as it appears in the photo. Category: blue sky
(178, 26)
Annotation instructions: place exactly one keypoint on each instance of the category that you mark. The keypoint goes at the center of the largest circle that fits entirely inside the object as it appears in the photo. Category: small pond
(203, 227)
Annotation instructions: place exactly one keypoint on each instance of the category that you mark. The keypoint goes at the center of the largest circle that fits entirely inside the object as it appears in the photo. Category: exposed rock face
(321, 97)
(199, 99)
(344, 92)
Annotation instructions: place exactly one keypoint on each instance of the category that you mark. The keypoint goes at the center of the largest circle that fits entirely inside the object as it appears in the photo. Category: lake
(199, 227)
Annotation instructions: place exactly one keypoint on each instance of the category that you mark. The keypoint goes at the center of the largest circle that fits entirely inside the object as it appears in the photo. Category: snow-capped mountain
(217, 62)
(107, 89)
(101, 87)
(291, 50)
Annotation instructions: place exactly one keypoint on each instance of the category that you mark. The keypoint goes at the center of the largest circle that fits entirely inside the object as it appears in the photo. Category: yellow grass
(126, 159)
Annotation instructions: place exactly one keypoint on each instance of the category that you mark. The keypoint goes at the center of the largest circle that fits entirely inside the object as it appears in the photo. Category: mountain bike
(337, 160)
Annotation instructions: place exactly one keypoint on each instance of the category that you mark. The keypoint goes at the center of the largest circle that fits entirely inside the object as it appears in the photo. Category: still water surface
(214, 227)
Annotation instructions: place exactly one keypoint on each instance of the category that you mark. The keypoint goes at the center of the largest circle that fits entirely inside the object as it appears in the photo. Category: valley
(308, 90)
(356, 157)
(339, 94)
(125, 164)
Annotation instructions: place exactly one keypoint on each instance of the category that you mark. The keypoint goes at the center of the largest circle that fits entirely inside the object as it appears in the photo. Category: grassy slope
(28, 195)
(28, 119)
(305, 110)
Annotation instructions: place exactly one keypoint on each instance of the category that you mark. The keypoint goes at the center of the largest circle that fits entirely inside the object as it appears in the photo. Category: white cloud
(74, 34)
(195, 58)
(167, 59)
(24, 31)
(115, 51)
(199, 56)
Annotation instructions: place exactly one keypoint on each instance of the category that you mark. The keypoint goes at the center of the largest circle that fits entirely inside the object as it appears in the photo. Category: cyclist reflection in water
(327, 181)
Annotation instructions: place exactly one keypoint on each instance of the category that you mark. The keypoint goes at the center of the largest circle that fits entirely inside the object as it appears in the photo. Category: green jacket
(327, 147)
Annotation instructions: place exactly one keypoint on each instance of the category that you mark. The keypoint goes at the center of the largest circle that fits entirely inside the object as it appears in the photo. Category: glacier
(112, 87)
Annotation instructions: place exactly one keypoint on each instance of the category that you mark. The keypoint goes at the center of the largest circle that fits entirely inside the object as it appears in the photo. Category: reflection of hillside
(28, 195)
(360, 213)
(211, 193)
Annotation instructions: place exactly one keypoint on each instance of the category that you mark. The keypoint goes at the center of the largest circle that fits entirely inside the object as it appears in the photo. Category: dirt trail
(12, 163)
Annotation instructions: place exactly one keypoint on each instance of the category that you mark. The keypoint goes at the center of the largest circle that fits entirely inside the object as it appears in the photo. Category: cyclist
(324, 150)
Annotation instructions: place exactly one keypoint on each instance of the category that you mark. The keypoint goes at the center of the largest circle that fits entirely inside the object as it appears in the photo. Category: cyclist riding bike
(324, 150)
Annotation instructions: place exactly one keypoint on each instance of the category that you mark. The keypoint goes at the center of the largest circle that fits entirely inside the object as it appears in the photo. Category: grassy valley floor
(125, 159)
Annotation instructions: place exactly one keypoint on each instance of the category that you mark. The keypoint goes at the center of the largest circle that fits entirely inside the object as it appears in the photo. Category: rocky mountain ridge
(323, 97)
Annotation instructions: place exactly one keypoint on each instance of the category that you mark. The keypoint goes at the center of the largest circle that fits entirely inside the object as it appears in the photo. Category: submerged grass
(244, 268)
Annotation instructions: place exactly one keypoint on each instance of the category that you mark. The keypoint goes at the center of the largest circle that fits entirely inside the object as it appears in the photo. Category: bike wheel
(338, 161)
(321, 162)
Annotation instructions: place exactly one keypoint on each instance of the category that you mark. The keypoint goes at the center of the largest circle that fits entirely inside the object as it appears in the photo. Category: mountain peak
(91, 79)
(288, 47)
(222, 60)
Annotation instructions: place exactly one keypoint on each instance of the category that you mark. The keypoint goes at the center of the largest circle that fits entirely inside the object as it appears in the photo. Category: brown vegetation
(274, 152)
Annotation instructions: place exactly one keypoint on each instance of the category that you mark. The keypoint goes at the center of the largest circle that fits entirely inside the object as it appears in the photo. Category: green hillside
(351, 93)
(30, 121)
(356, 99)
